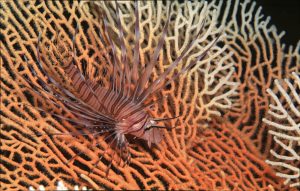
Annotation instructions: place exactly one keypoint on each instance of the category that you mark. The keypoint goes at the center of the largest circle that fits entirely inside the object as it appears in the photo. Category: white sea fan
(284, 119)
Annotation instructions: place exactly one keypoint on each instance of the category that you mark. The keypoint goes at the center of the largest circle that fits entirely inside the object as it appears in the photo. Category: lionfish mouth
(120, 108)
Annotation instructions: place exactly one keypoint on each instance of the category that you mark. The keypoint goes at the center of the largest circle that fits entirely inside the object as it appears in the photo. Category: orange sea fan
(224, 156)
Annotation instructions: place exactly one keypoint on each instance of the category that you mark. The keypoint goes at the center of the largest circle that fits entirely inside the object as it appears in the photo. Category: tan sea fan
(260, 57)
(214, 72)
(284, 117)
(210, 85)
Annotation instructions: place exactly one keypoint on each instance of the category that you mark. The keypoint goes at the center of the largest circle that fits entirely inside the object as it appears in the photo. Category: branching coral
(259, 57)
(284, 117)
(223, 156)
(209, 87)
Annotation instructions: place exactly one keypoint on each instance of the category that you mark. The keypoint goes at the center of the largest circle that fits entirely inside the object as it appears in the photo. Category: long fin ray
(174, 64)
(145, 76)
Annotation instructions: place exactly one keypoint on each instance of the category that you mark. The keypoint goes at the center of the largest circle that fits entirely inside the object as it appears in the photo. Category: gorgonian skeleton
(121, 108)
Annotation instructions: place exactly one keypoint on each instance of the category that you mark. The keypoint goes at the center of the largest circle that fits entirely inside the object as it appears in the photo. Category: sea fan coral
(210, 80)
(284, 117)
(214, 74)
(260, 58)
(224, 156)
(122, 108)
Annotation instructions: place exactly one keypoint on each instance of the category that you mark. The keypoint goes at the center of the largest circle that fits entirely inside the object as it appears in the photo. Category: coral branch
(284, 117)
(213, 89)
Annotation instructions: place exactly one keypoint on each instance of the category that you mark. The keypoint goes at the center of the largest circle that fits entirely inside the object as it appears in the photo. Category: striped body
(131, 118)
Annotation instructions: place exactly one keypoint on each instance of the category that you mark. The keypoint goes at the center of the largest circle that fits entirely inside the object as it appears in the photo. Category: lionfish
(119, 110)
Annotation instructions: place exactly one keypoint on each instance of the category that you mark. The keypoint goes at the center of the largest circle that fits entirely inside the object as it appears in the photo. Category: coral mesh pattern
(284, 117)
(208, 89)
(220, 157)
(260, 58)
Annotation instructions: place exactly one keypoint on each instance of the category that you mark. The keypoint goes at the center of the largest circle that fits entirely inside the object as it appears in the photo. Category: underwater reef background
(221, 142)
